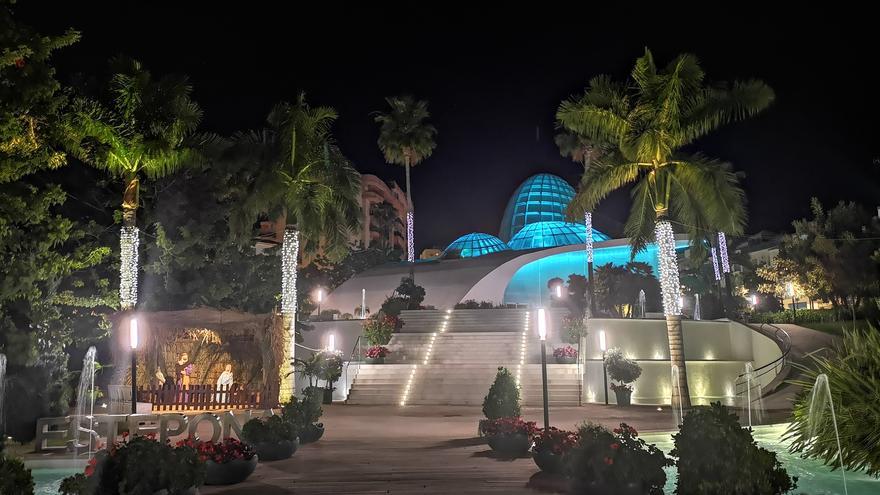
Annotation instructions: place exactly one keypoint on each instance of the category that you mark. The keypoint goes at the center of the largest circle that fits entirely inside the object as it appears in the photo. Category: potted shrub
(551, 447)
(14, 476)
(304, 413)
(141, 465)
(273, 438)
(329, 370)
(623, 370)
(376, 354)
(615, 463)
(227, 462)
(510, 437)
(502, 401)
(565, 355)
(378, 329)
(740, 467)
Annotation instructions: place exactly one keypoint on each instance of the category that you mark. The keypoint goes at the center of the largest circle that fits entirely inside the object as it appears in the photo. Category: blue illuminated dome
(552, 234)
(540, 198)
(476, 244)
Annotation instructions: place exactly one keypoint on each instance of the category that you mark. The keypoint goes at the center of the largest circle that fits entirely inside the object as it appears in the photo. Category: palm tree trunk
(289, 260)
(670, 288)
(410, 241)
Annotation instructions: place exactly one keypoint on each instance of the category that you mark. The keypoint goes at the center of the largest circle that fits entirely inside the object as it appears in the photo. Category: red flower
(567, 352)
(609, 461)
(377, 351)
(90, 467)
(19, 62)
(615, 446)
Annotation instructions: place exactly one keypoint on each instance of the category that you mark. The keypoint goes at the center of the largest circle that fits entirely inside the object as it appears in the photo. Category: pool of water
(814, 477)
(46, 481)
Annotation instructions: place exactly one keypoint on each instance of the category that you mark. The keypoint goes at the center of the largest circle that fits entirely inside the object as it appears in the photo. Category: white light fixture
(722, 249)
(789, 289)
(542, 324)
(602, 344)
(558, 290)
(128, 267)
(133, 333)
(754, 299)
(363, 304)
(715, 264)
(410, 242)
(331, 342)
(668, 264)
(320, 295)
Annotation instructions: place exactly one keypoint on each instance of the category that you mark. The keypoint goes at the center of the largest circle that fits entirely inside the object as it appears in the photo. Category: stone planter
(229, 473)
(548, 462)
(510, 445)
(312, 433)
(378, 360)
(328, 396)
(597, 488)
(275, 451)
(624, 396)
(566, 360)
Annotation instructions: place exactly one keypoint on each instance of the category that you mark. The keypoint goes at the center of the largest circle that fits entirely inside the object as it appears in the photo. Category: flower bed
(510, 437)
(551, 447)
(376, 354)
(565, 355)
(228, 462)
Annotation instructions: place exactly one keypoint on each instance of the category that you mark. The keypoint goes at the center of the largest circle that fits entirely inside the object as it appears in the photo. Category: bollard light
(602, 346)
(558, 291)
(542, 324)
(133, 333)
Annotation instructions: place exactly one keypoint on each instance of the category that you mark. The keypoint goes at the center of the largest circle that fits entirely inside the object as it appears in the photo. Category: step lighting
(522, 351)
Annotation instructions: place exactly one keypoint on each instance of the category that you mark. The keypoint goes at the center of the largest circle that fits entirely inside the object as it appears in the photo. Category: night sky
(494, 77)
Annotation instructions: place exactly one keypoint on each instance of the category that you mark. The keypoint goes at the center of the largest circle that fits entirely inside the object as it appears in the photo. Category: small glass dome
(476, 244)
(552, 234)
(540, 198)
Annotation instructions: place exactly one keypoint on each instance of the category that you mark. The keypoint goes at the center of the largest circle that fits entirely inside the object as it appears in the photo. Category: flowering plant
(617, 458)
(565, 352)
(555, 440)
(222, 452)
(377, 351)
(507, 426)
(378, 329)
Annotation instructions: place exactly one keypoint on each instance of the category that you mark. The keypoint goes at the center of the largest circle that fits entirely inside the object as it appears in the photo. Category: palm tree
(384, 220)
(577, 147)
(296, 172)
(146, 130)
(648, 122)
(406, 139)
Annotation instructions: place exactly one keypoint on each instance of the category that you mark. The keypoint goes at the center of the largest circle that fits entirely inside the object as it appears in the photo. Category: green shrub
(717, 455)
(502, 401)
(379, 329)
(15, 479)
(621, 368)
(803, 316)
(615, 459)
(853, 372)
(271, 429)
(302, 412)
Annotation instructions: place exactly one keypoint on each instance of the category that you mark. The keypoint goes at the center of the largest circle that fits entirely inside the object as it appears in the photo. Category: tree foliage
(502, 401)
(617, 288)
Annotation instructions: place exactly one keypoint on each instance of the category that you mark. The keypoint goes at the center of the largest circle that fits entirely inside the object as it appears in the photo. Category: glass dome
(552, 234)
(476, 244)
(540, 198)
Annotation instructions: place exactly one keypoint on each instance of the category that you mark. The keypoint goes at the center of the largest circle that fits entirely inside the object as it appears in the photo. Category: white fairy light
(715, 264)
(722, 248)
(588, 222)
(128, 267)
(668, 264)
(289, 256)
(410, 242)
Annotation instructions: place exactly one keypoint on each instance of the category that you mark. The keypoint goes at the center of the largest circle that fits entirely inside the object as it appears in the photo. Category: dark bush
(502, 401)
(717, 455)
(268, 430)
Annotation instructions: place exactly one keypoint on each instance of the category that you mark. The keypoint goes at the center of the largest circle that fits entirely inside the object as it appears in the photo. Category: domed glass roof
(476, 244)
(552, 234)
(540, 198)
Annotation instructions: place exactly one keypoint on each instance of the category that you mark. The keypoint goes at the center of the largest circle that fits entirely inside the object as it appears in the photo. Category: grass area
(836, 327)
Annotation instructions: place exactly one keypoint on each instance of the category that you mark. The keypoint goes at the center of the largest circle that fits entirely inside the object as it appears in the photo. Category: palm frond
(639, 227)
(711, 191)
(718, 105)
(597, 183)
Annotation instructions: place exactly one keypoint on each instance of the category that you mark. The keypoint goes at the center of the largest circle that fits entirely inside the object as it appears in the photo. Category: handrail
(351, 358)
(782, 337)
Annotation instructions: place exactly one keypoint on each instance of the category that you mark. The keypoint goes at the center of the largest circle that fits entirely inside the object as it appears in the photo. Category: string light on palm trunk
(128, 266)
(588, 222)
(722, 247)
(289, 256)
(715, 264)
(410, 242)
(668, 264)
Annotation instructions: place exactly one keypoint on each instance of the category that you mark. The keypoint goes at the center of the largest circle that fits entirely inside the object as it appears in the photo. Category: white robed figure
(224, 382)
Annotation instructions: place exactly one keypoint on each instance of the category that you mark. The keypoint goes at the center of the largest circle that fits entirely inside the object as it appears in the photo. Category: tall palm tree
(405, 138)
(145, 130)
(296, 172)
(648, 121)
(384, 220)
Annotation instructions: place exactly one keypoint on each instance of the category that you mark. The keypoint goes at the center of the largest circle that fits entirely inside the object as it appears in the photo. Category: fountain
(85, 403)
(641, 303)
(676, 385)
(755, 406)
(2, 394)
(696, 306)
(819, 399)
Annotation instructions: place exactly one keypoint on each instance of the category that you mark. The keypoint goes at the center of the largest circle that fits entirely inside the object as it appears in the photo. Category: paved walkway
(804, 342)
(418, 449)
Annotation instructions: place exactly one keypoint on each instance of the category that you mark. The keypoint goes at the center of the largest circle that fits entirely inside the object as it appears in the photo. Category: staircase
(452, 358)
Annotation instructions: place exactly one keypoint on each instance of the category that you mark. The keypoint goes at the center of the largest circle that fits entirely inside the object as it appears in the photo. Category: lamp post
(133, 341)
(320, 298)
(542, 333)
(558, 291)
(789, 287)
(331, 342)
(603, 347)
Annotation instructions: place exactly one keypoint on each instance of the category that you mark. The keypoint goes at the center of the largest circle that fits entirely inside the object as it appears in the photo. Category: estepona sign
(60, 434)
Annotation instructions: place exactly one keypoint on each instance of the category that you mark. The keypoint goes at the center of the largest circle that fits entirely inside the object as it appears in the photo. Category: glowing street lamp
(789, 289)
(542, 334)
(320, 299)
(133, 342)
(558, 291)
(603, 347)
(754, 300)
(331, 342)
